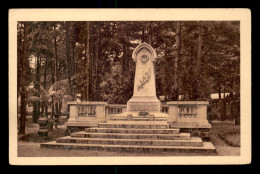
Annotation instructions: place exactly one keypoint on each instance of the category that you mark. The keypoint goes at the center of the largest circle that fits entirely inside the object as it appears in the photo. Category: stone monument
(144, 97)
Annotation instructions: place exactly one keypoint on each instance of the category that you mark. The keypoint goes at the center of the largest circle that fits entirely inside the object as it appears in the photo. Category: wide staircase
(133, 136)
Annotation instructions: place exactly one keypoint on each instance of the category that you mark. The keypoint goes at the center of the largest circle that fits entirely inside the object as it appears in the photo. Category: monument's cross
(144, 97)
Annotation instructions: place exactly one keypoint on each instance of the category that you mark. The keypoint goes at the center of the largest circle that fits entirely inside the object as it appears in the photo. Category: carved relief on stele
(144, 56)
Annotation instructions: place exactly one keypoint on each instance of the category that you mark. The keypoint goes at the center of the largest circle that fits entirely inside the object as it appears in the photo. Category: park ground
(224, 135)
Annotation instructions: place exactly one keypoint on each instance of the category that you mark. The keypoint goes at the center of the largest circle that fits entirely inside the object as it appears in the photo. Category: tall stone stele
(144, 97)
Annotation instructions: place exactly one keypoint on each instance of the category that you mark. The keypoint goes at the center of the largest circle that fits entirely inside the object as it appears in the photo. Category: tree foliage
(195, 58)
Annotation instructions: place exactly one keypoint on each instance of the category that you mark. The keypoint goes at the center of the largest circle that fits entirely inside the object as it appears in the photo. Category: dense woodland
(94, 59)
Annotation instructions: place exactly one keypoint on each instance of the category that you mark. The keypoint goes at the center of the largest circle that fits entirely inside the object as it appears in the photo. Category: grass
(228, 132)
(232, 139)
(226, 138)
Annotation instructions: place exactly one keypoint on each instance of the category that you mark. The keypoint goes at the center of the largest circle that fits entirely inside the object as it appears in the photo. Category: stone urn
(43, 131)
(42, 121)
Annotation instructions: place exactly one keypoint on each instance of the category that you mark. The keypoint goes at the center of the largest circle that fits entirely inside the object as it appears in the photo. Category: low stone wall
(86, 114)
(188, 114)
(182, 114)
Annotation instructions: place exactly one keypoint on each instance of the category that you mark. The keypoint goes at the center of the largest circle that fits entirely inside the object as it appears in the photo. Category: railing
(115, 109)
(165, 109)
(188, 114)
(86, 111)
(187, 111)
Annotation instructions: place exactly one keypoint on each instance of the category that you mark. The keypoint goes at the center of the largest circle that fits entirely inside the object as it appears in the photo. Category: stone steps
(181, 136)
(196, 142)
(133, 136)
(207, 147)
(133, 126)
(132, 131)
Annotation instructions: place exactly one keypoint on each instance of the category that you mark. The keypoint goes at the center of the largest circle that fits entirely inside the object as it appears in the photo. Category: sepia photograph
(160, 87)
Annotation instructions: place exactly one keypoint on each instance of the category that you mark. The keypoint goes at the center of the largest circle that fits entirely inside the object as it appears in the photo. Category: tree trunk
(60, 105)
(123, 59)
(52, 107)
(219, 91)
(92, 70)
(73, 58)
(22, 78)
(56, 107)
(88, 63)
(224, 100)
(36, 107)
(52, 73)
(46, 109)
(56, 56)
(68, 56)
(176, 60)
(97, 61)
(127, 58)
(199, 53)
(150, 34)
(143, 35)
(44, 86)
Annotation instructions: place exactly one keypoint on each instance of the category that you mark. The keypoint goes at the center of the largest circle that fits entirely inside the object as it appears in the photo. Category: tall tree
(88, 58)
(23, 67)
(67, 25)
(176, 60)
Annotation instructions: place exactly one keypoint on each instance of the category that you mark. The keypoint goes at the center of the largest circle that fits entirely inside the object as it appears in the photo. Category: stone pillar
(202, 114)
(73, 111)
(101, 111)
(123, 109)
(173, 112)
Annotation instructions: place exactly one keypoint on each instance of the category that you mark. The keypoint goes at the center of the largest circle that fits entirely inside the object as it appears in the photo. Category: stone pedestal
(143, 103)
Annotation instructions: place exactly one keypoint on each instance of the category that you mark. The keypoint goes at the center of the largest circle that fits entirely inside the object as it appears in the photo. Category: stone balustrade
(187, 111)
(182, 114)
(165, 109)
(188, 114)
(86, 111)
(118, 109)
(115, 109)
(86, 114)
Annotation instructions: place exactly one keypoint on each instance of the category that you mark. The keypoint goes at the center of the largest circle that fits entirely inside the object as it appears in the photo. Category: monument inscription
(143, 106)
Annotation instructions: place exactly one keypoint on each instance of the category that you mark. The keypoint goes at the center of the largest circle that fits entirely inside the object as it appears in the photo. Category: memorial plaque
(144, 106)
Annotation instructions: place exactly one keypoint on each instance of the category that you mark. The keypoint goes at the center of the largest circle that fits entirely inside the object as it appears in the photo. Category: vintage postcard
(129, 86)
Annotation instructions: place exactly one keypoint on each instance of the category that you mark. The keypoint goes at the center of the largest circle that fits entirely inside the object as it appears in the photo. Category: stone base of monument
(133, 136)
(144, 103)
(135, 116)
